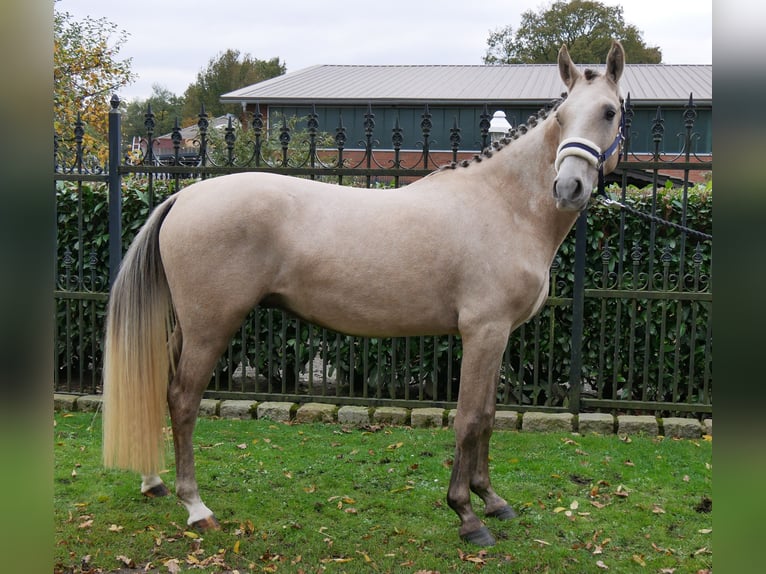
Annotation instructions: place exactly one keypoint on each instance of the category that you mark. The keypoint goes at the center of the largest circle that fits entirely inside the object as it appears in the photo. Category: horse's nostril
(577, 191)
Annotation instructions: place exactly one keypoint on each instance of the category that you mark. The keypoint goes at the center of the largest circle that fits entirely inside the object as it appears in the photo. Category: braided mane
(515, 133)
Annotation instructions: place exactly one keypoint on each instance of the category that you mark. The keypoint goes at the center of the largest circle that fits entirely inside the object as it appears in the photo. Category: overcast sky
(170, 42)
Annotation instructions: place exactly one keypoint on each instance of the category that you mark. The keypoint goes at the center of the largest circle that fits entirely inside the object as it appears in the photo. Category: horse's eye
(610, 113)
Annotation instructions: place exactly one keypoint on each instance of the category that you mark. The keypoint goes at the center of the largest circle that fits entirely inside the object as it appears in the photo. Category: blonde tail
(136, 355)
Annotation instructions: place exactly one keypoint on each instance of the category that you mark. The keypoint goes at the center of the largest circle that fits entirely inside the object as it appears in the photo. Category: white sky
(170, 42)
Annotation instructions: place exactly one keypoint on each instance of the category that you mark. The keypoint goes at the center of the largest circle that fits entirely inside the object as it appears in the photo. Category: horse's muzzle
(570, 193)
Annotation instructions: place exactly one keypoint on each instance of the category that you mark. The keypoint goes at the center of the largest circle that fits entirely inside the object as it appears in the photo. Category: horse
(467, 251)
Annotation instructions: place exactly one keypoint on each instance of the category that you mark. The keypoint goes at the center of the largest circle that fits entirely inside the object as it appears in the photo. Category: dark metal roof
(534, 83)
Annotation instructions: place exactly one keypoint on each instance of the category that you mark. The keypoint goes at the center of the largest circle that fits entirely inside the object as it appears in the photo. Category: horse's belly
(370, 314)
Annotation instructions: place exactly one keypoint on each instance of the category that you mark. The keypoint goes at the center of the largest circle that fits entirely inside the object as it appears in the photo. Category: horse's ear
(568, 71)
(615, 62)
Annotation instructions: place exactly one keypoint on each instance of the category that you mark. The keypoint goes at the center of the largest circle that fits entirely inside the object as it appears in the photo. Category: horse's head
(589, 120)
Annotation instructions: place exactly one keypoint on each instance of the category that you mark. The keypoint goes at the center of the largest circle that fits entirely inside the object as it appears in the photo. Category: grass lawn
(324, 498)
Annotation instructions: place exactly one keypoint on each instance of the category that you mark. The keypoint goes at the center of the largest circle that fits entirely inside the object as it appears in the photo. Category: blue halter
(590, 152)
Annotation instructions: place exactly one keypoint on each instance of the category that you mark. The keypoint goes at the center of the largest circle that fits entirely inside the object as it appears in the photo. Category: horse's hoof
(480, 537)
(157, 491)
(206, 524)
(504, 513)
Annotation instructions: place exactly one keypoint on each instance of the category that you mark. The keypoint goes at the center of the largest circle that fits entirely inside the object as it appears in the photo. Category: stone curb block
(316, 413)
(89, 403)
(209, 407)
(678, 427)
(595, 423)
(638, 424)
(427, 418)
(276, 411)
(391, 416)
(707, 425)
(451, 414)
(356, 416)
(64, 403)
(238, 409)
(547, 422)
(506, 420)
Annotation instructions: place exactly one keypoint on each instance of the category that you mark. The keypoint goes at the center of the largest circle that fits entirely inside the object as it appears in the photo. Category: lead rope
(608, 201)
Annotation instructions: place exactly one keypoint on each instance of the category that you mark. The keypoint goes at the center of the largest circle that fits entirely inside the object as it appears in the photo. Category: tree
(86, 71)
(225, 73)
(586, 27)
(166, 107)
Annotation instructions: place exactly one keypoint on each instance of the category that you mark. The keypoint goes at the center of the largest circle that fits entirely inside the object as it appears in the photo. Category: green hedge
(620, 336)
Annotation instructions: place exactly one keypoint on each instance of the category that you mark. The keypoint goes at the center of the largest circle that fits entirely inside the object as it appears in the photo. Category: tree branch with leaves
(586, 27)
(87, 70)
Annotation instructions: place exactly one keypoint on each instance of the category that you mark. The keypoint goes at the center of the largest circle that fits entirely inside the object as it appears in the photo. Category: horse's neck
(526, 164)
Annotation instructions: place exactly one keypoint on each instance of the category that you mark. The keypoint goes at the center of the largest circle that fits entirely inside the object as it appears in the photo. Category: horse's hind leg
(482, 353)
(195, 366)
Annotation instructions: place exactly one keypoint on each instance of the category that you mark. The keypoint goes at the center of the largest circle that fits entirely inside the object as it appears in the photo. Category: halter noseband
(589, 151)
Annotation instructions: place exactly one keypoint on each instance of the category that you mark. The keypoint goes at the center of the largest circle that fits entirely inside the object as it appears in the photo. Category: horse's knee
(458, 499)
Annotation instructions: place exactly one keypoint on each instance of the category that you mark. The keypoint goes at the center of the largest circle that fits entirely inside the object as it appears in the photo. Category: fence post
(578, 304)
(115, 191)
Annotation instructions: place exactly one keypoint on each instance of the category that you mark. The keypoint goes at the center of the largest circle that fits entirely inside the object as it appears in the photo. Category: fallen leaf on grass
(667, 551)
(473, 558)
(705, 530)
(657, 509)
(173, 566)
(601, 565)
(402, 489)
(125, 561)
(638, 559)
(667, 571)
(541, 542)
(395, 446)
(621, 492)
(115, 528)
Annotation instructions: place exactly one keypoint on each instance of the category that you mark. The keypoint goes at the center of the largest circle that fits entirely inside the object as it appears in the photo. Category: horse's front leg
(482, 352)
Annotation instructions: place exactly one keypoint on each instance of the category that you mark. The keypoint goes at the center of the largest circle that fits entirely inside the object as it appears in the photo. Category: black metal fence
(627, 325)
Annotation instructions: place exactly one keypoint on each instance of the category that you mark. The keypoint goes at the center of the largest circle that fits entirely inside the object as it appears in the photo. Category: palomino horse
(467, 251)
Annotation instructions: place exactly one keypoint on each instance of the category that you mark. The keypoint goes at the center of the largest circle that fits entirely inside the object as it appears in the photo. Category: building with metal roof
(495, 85)
(460, 96)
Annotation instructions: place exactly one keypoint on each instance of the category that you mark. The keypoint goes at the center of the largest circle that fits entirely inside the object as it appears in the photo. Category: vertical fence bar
(578, 304)
(115, 192)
